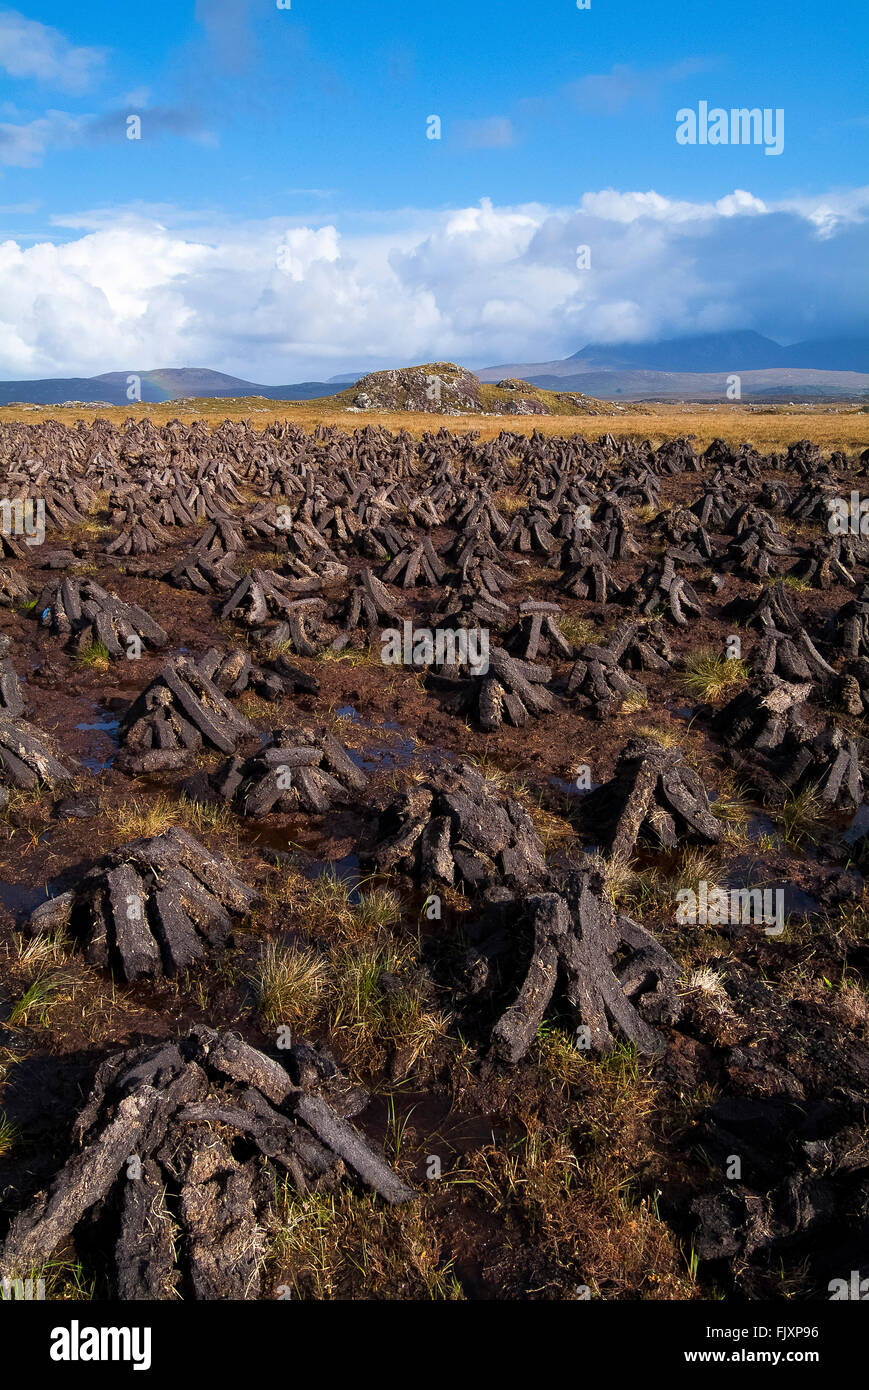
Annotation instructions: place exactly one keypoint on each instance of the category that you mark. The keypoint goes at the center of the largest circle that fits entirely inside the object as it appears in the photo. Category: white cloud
(278, 302)
(29, 49)
(23, 146)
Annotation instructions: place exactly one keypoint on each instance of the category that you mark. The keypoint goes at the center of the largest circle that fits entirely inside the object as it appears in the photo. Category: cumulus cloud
(277, 302)
(32, 50)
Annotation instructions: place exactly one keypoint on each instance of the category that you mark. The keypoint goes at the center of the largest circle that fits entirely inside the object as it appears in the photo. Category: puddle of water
(759, 825)
(686, 712)
(346, 870)
(392, 753)
(571, 789)
(21, 898)
(755, 873)
(106, 727)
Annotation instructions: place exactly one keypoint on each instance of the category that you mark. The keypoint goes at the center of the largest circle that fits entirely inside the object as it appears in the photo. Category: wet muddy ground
(564, 1173)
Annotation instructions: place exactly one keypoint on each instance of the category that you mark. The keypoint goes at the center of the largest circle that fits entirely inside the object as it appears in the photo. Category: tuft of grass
(663, 735)
(95, 657)
(289, 982)
(559, 1056)
(734, 806)
(509, 503)
(706, 980)
(377, 909)
(635, 701)
(655, 885)
(338, 1245)
(375, 1010)
(41, 949)
(142, 819)
(325, 906)
(353, 656)
(579, 631)
(35, 1002)
(708, 674)
(802, 815)
(9, 1135)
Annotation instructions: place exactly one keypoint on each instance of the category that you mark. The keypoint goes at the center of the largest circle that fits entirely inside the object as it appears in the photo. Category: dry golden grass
(576, 1196)
(325, 1246)
(769, 428)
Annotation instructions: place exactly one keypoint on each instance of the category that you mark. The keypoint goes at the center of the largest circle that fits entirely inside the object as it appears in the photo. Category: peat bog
(374, 980)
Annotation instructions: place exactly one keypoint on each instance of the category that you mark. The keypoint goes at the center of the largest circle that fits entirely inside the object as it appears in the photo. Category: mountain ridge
(674, 368)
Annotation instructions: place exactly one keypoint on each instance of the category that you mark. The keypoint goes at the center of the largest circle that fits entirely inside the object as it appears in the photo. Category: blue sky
(284, 215)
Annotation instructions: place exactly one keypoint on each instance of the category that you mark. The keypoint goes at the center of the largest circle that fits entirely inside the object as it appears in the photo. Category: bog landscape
(432, 856)
(434, 681)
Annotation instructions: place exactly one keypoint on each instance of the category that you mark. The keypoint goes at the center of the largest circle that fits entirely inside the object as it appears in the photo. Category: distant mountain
(162, 384)
(724, 353)
(777, 383)
(829, 354)
(688, 368)
(708, 352)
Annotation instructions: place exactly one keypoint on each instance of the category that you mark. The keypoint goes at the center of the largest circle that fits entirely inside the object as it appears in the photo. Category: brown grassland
(767, 427)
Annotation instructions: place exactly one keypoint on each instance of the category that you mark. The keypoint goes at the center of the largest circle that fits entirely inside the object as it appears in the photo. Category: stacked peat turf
(588, 575)
(852, 687)
(660, 586)
(531, 532)
(28, 758)
(14, 589)
(456, 827)
(641, 646)
(511, 691)
(158, 1162)
(537, 633)
(768, 741)
(82, 610)
(470, 606)
(792, 656)
(757, 544)
(263, 594)
(599, 684)
(11, 699)
(653, 796)
(152, 907)
(785, 648)
(576, 942)
(172, 717)
(205, 571)
(831, 561)
(416, 565)
(141, 532)
(299, 769)
(683, 529)
(369, 606)
(852, 626)
(233, 672)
